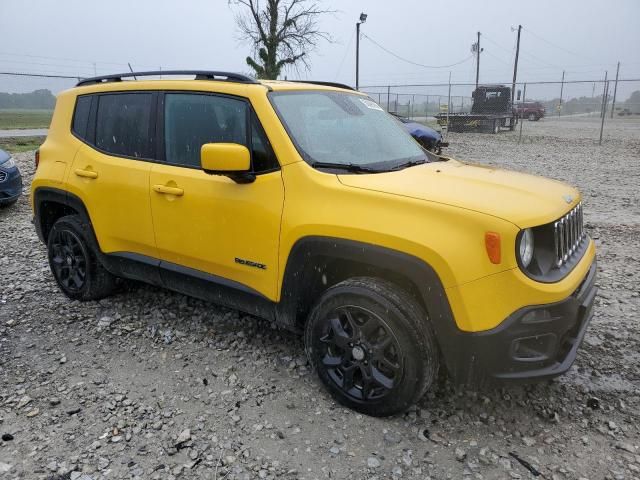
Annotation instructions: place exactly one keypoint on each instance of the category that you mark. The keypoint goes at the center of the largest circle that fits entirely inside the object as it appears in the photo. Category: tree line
(38, 99)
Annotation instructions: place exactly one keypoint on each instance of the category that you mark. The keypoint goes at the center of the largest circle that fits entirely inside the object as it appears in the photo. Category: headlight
(8, 163)
(526, 247)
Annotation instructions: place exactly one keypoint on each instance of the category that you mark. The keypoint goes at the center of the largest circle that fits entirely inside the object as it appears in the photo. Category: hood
(524, 200)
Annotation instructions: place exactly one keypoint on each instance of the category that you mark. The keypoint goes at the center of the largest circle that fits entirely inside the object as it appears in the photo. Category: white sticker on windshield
(371, 104)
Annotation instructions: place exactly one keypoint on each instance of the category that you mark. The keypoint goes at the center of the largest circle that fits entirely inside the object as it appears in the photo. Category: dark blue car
(10, 180)
(427, 137)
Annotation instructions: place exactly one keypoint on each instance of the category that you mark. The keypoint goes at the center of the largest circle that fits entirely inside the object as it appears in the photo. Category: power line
(497, 44)
(90, 62)
(553, 44)
(18, 74)
(496, 58)
(353, 34)
(411, 62)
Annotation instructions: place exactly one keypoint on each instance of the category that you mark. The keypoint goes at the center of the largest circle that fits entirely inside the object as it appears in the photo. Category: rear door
(110, 172)
(210, 224)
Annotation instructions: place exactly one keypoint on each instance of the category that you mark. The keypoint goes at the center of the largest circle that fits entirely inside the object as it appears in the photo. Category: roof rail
(326, 84)
(199, 75)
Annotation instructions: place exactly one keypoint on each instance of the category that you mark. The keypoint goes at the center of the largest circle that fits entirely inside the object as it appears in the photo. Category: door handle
(86, 173)
(178, 192)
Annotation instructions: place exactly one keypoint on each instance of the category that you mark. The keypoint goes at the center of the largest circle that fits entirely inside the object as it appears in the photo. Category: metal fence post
(388, 97)
(604, 109)
(561, 90)
(524, 93)
(615, 90)
(603, 105)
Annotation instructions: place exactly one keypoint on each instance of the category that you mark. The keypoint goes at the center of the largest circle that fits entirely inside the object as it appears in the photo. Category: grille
(568, 232)
(3, 176)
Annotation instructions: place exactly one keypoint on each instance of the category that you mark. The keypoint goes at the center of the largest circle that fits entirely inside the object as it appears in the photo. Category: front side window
(344, 128)
(122, 125)
(191, 120)
(264, 159)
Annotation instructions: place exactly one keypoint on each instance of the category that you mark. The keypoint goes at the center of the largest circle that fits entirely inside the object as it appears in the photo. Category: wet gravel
(152, 384)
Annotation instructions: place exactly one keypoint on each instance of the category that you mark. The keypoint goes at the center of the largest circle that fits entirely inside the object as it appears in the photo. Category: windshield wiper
(349, 167)
(410, 163)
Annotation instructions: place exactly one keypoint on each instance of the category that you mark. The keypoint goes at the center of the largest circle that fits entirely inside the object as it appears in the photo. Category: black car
(10, 180)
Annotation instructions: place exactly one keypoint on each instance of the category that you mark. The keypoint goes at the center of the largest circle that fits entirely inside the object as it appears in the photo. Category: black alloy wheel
(74, 262)
(372, 345)
(361, 355)
(68, 260)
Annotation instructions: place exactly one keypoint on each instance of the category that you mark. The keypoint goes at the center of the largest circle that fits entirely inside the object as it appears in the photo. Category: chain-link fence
(599, 110)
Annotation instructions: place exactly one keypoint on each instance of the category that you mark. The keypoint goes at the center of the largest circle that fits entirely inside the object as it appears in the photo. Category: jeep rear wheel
(372, 346)
(533, 117)
(73, 263)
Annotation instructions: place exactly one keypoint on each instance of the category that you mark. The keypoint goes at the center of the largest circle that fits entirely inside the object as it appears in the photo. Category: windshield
(344, 128)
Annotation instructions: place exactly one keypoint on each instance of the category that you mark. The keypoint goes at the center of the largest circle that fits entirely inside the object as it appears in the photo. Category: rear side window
(123, 124)
(81, 117)
(191, 120)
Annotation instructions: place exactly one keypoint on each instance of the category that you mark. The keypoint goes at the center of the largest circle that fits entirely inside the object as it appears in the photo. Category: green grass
(23, 118)
(20, 144)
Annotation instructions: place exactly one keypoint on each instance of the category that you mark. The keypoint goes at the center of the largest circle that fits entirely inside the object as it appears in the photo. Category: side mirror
(229, 159)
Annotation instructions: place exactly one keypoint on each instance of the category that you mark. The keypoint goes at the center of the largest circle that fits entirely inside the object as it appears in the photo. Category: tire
(372, 346)
(533, 117)
(74, 263)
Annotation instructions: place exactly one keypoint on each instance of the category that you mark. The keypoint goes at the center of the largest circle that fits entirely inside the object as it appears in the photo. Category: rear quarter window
(81, 116)
(123, 124)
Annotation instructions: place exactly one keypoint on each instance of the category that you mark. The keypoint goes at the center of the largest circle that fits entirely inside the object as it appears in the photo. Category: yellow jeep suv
(308, 205)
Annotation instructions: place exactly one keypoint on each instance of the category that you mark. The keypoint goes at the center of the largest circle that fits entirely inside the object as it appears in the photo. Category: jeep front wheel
(73, 263)
(372, 346)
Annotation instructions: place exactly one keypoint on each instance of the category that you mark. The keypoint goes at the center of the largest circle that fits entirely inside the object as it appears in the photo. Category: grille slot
(568, 232)
(3, 176)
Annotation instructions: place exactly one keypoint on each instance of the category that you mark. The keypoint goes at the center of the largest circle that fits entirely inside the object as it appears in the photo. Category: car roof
(200, 78)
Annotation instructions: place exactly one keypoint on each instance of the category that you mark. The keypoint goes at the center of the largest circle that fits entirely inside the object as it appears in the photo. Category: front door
(210, 224)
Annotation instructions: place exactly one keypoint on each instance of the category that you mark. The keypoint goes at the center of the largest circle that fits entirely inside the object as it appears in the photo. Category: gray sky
(584, 37)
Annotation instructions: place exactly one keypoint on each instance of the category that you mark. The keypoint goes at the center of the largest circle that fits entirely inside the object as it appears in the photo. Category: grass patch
(23, 118)
(20, 144)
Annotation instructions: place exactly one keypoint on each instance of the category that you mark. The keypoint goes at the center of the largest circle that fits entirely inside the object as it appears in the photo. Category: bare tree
(282, 33)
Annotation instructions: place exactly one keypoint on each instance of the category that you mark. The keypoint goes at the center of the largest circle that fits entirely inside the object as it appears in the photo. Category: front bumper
(11, 186)
(533, 343)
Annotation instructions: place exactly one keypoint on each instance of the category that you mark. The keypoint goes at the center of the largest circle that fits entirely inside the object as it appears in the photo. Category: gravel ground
(152, 384)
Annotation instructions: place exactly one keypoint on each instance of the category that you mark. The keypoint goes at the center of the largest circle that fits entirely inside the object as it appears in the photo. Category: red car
(533, 111)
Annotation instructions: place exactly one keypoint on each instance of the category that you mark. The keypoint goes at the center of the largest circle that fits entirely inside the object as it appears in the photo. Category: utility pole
(478, 60)
(363, 18)
(561, 89)
(615, 90)
(515, 65)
